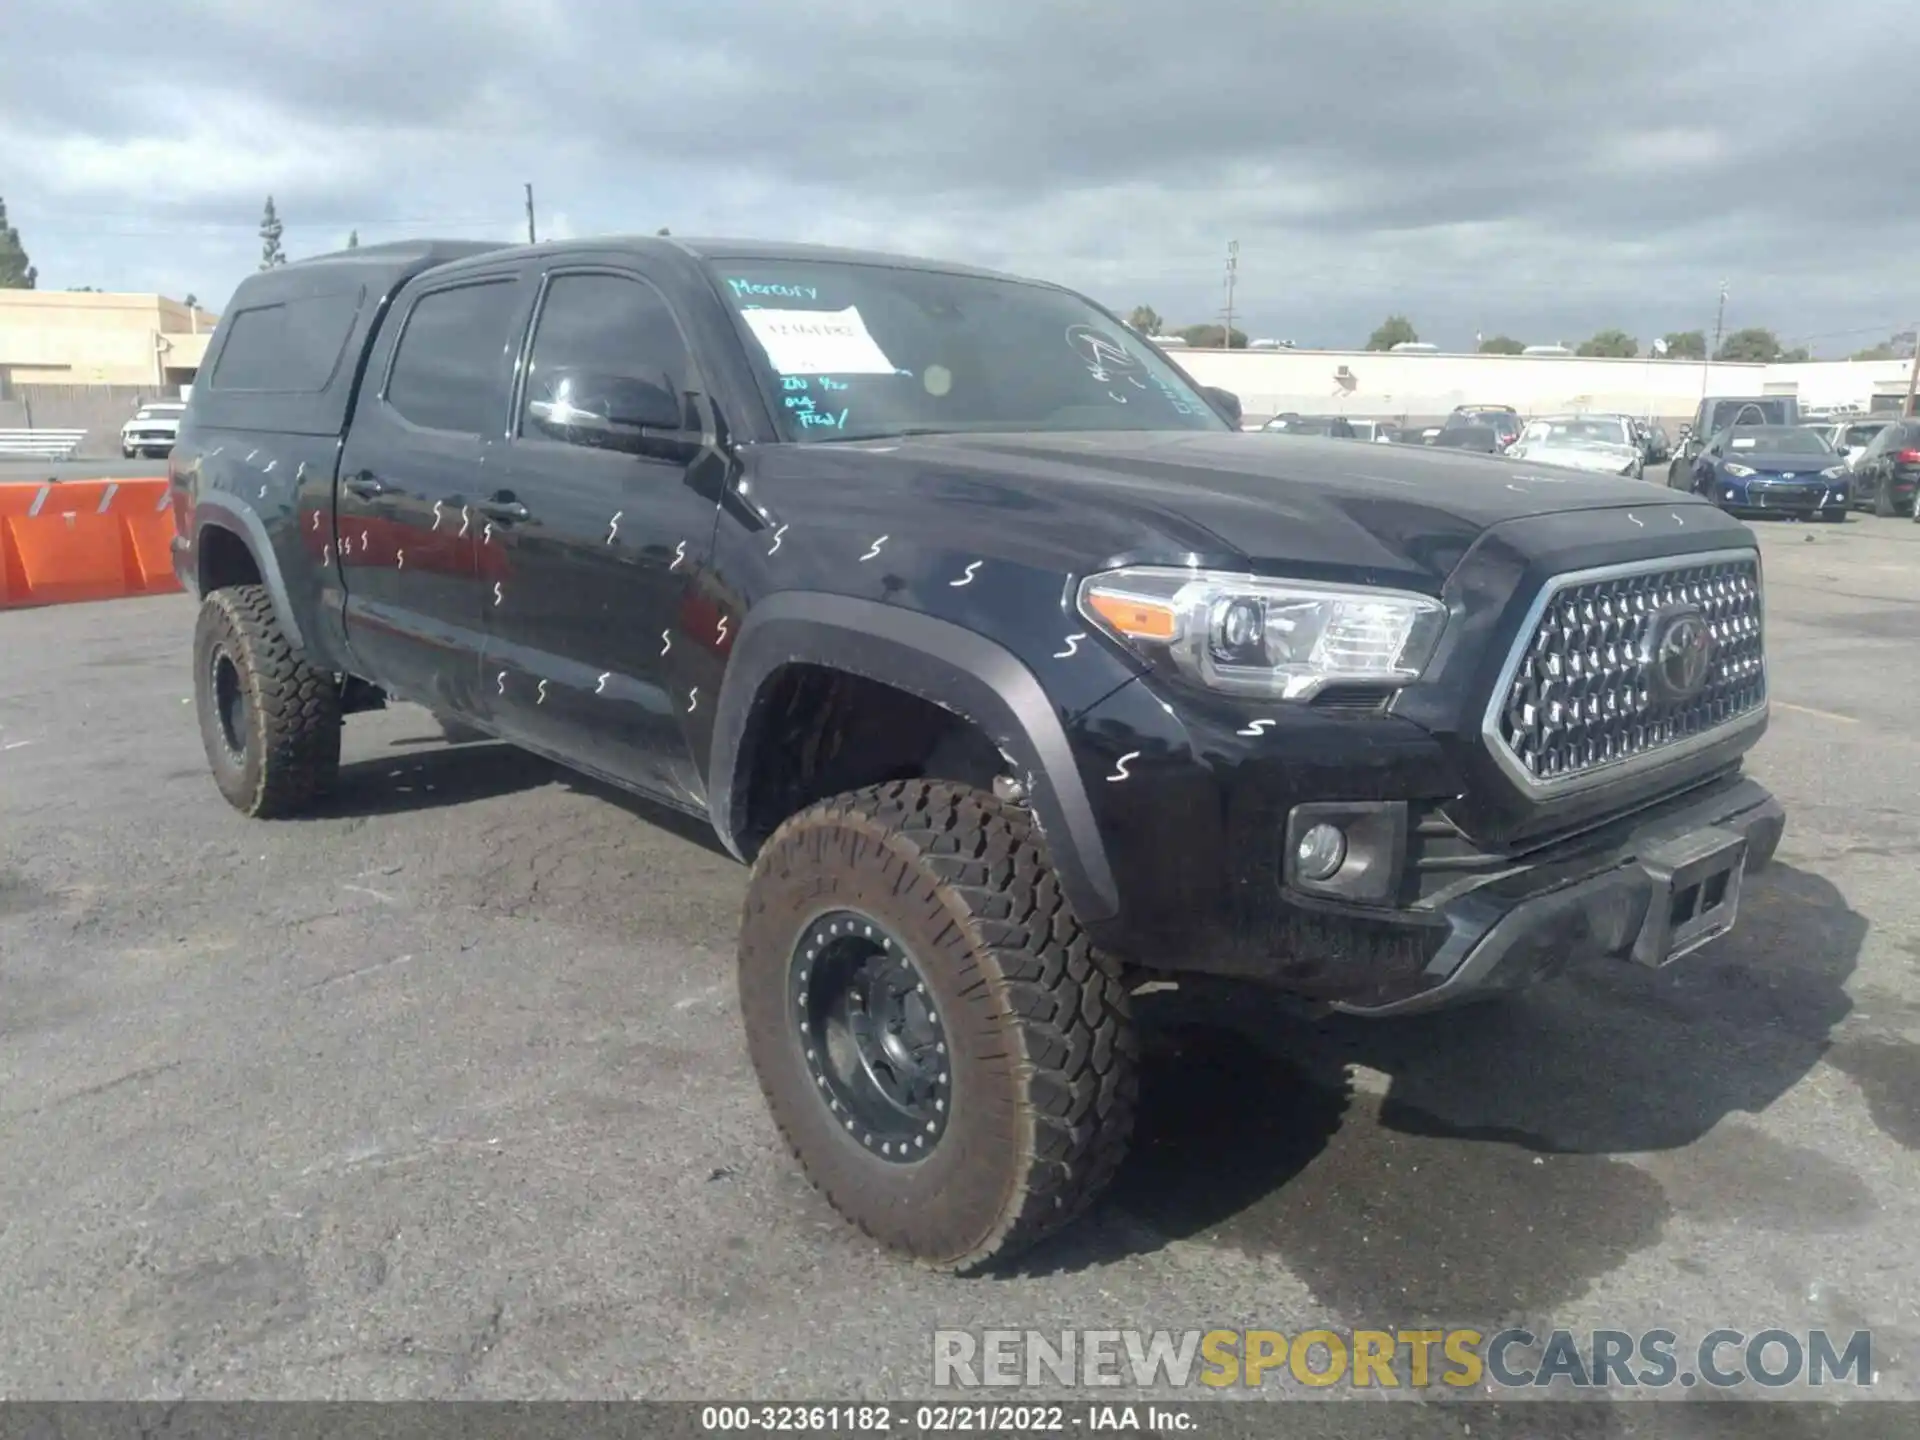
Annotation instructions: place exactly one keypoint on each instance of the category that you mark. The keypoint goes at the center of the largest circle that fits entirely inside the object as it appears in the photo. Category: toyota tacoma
(1017, 675)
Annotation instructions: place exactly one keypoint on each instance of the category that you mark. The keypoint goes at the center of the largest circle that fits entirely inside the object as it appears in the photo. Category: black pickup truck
(1015, 672)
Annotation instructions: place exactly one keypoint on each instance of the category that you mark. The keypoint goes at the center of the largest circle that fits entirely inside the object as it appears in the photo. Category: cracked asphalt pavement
(440, 1092)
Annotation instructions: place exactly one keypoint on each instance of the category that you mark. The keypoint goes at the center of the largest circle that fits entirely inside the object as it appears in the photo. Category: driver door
(601, 542)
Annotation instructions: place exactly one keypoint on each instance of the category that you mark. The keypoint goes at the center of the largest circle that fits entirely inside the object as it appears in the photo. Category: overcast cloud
(1534, 167)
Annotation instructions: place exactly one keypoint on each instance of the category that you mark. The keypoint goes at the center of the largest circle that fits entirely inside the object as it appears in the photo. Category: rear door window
(449, 371)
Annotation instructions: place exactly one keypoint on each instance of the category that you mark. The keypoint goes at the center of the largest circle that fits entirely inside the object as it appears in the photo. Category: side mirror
(1225, 401)
(613, 412)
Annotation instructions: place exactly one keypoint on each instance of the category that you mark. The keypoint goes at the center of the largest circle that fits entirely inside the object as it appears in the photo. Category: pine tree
(15, 272)
(270, 252)
(353, 240)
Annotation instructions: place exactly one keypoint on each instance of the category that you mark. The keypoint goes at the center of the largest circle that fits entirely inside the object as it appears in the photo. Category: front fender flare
(943, 663)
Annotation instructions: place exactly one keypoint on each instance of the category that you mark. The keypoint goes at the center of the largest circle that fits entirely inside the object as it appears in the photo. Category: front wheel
(269, 721)
(950, 1059)
(1835, 517)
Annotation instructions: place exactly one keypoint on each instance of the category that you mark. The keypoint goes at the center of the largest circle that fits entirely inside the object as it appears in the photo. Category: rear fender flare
(957, 669)
(225, 513)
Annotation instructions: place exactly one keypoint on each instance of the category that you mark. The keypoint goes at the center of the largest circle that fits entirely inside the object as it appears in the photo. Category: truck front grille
(1585, 688)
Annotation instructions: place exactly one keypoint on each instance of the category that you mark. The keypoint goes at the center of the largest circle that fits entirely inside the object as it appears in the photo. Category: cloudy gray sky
(1537, 167)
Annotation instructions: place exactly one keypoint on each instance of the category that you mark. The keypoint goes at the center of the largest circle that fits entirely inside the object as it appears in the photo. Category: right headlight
(1277, 639)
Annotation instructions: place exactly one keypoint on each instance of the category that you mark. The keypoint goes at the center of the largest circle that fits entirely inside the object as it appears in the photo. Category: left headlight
(1833, 472)
(1279, 639)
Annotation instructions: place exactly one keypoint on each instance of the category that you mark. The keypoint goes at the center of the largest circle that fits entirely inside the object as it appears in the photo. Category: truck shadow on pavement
(1467, 1163)
(430, 774)
(429, 779)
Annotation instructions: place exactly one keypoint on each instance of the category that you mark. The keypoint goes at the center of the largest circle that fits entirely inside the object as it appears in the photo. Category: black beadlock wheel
(948, 1056)
(269, 721)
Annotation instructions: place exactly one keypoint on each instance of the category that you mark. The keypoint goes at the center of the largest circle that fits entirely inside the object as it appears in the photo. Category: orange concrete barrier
(65, 541)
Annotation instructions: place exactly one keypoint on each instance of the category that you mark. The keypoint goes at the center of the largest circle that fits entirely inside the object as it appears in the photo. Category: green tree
(270, 252)
(1796, 356)
(663, 231)
(1882, 351)
(85, 290)
(1394, 330)
(353, 240)
(192, 302)
(1610, 344)
(1686, 345)
(1750, 344)
(1145, 319)
(1501, 345)
(1208, 337)
(15, 272)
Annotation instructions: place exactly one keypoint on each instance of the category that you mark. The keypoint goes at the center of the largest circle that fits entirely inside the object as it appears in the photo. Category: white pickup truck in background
(153, 429)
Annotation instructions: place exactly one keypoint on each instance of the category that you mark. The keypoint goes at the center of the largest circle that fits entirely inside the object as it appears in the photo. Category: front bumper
(1647, 893)
(1195, 819)
(1783, 499)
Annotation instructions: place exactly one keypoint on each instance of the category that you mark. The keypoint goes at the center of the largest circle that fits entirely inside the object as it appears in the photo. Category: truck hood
(1394, 514)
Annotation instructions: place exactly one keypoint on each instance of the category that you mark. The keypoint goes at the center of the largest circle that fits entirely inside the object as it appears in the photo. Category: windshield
(857, 352)
(1583, 431)
(1860, 434)
(159, 412)
(1780, 440)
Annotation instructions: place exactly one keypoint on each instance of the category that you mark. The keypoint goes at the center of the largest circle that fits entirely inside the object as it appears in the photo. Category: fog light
(1321, 852)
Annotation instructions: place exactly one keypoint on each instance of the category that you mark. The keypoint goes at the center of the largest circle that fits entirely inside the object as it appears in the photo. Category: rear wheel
(948, 1056)
(270, 722)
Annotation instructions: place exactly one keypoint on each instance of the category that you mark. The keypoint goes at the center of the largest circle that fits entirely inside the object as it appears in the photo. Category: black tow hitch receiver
(1695, 894)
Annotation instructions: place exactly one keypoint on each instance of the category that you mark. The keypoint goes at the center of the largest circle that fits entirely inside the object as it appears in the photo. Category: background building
(85, 359)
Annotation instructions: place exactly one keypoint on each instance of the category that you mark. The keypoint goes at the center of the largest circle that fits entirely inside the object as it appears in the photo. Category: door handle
(504, 509)
(366, 485)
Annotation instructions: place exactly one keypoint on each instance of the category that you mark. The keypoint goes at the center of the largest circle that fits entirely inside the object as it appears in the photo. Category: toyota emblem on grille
(1681, 655)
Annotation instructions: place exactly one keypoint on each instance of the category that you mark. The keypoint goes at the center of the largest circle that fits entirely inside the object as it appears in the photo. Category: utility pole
(1913, 371)
(1233, 272)
(531, 238)
(1719, 324)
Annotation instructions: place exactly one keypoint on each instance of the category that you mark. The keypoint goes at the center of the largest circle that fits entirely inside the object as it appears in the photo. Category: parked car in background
(1852, 437)
(1484, 439)
(1716, 414)
(1655, 447)
(1605, 444)
(1888, 470)
(1380, 432)
(1336, 425)
(152, 430)
(1773, 470)
(1503, 420)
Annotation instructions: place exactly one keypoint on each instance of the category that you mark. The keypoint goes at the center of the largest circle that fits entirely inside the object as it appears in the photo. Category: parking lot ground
(440, 1092)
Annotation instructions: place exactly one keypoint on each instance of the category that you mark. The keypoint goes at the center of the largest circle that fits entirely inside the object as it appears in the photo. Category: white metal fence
(39, 444)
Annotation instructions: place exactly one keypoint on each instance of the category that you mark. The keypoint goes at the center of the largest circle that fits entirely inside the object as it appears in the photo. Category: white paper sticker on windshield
(818, 342)
(1745, 442)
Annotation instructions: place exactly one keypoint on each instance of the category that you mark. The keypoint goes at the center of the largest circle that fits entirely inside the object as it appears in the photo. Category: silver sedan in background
(1604, 444)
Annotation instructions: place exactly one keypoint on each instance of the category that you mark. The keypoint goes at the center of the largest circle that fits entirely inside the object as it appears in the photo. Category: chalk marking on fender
(1120, 771)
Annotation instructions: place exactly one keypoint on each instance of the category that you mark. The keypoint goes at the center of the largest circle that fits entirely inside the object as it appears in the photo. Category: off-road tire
(290, 750)
(1044, 1073)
